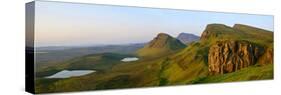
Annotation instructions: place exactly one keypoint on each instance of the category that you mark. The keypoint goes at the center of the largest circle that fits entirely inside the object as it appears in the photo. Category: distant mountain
(187, 37)
(162, 43)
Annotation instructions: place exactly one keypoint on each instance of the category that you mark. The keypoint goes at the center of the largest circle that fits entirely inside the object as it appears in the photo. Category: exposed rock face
(267, 57)
(229, 56)
(187, 37)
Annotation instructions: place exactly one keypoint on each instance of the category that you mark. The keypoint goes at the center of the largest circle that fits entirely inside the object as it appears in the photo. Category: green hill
(162, 44)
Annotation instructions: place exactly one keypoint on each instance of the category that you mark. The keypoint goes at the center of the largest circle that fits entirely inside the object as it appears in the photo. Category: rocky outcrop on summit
(230, 56)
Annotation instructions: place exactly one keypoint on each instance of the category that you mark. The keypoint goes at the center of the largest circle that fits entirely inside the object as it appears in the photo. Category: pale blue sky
(59, 24)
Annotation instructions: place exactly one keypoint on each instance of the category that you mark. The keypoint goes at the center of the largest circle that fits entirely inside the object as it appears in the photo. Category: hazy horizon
(73, 24)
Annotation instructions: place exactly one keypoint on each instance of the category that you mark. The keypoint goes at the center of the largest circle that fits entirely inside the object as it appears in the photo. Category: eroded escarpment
(229, 56)
(267, 57)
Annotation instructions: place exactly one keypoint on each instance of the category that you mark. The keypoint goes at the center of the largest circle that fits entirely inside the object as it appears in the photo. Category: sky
(74, 24)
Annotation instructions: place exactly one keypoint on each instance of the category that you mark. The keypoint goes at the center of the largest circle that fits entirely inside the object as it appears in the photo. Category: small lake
(129, 59)
(71, 73)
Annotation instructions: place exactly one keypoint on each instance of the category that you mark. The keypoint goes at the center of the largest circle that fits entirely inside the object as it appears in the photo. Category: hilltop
(161, 44)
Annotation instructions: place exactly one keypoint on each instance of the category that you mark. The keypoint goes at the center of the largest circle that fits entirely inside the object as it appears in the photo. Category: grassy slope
(250, 73)
(186, 65)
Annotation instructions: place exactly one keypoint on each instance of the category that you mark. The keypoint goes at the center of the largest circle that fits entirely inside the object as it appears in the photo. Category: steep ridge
(161, 44)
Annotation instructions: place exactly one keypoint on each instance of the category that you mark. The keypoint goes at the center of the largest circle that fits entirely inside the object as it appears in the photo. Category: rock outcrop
(229, 56)
(267, 57)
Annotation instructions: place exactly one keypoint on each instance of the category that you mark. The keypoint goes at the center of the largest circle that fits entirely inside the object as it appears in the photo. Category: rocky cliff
(266, 57)
(237, 47)
(230, 56)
